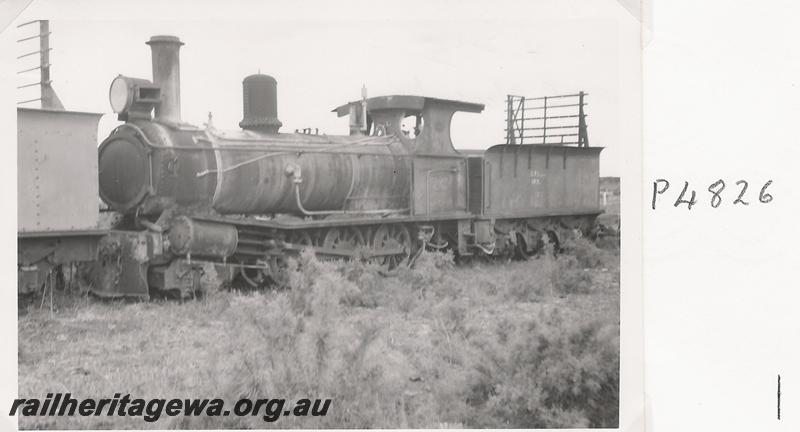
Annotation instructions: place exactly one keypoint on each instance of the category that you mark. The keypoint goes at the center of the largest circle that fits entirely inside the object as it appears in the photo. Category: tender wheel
(522, 248)
(395, 236)
(552, 239)
(345, 239)
(526, 250)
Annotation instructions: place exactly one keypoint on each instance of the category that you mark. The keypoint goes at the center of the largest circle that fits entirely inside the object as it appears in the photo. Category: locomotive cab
(421, 123)
(438, 170)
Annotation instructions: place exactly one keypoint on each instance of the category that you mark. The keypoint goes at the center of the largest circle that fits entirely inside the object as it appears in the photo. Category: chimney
(167, 76)
(260, 104)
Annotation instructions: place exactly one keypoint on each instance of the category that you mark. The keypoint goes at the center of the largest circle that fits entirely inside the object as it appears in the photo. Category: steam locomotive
(200, 207)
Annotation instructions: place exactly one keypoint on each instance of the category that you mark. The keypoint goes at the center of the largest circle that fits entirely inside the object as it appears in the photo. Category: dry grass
(522, 344)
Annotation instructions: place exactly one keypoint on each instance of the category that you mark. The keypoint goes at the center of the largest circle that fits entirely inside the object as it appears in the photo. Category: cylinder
(167, 76)
(187, 236)
(260, 101)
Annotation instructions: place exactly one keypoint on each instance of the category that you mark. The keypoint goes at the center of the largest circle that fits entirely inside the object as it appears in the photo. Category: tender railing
(547, 120)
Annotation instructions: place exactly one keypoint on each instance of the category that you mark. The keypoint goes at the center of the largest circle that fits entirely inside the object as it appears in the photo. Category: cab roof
(410, 103)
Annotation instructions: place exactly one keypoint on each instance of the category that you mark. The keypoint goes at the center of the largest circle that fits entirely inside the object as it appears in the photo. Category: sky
(321, 58)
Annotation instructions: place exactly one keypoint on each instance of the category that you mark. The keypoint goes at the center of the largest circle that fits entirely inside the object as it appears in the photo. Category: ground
(489, 344)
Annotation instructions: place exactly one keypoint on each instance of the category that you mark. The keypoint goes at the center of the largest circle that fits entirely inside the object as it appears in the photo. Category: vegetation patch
(503, 344)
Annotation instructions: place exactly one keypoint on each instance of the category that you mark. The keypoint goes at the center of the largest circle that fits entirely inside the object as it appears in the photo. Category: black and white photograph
(325, 215)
